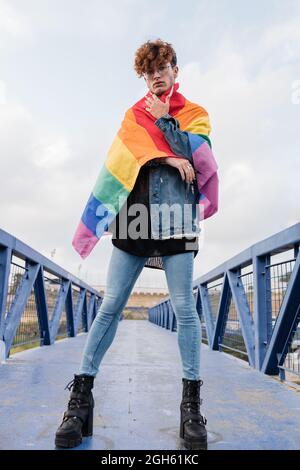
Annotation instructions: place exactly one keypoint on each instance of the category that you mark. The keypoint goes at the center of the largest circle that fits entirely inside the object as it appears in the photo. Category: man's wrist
(163, 122)
(164, 116)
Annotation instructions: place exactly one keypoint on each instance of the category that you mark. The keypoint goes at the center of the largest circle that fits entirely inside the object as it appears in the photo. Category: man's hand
(184, 167)
(156, 107)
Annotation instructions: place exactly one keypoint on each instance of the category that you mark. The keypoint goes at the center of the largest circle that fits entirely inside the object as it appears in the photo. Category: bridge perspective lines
(249, 309)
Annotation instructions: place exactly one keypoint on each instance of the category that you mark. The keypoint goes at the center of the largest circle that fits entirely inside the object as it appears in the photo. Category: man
(158, 81)
(156, 61)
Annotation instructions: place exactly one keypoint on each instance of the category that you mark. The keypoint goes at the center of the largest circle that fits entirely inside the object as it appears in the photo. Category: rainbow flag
(138, 141)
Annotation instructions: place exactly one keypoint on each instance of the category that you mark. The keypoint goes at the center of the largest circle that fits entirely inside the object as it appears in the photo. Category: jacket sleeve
(176, 138)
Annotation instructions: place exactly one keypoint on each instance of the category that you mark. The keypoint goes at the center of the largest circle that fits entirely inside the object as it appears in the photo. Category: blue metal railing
(250, 305)
(39, 301)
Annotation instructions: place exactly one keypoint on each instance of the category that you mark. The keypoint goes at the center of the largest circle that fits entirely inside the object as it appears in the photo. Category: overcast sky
(67, 77)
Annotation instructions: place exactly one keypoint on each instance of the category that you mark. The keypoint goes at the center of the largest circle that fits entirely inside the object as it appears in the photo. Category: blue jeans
(123, 271)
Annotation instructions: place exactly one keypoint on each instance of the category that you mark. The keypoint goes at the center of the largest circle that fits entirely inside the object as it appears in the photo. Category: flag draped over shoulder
(138, 141)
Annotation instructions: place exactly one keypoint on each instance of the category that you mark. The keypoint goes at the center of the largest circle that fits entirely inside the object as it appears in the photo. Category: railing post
(5, 260)
(222, 314)
(203, 297)
(42, 308)
(241, 304)
(286, 323)
(19, 302)
(60, 304)
(70, 312)
(78, 310)
(262, 305)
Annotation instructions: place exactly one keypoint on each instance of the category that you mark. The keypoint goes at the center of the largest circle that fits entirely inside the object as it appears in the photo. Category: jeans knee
(183, 302)
(111, 305)
(186, 312)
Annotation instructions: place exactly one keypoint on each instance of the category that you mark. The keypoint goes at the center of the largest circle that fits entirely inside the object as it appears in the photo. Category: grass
(32, 344)
(23, 347)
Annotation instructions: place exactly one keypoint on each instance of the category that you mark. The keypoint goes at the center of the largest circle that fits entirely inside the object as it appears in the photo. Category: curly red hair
(152, 54)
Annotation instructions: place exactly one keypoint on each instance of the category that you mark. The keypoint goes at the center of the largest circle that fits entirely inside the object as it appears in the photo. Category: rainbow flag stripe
(138, 141)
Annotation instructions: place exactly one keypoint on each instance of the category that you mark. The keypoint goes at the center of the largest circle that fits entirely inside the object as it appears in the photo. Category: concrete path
(137, 395)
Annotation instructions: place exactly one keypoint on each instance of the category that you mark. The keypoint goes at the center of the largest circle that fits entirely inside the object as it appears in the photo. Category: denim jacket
(167, 189)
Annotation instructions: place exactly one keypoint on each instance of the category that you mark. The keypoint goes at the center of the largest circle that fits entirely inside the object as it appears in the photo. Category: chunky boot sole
(199, 444)
(87, 430)
(67, 443)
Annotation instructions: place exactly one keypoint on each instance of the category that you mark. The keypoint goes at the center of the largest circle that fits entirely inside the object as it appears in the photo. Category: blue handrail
(27, 276)
(250, 304)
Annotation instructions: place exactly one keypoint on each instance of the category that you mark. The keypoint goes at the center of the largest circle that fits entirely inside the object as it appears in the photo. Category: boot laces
(69, 385)
(192, 388)
(78, 386)
(77, 383)
(192, 392)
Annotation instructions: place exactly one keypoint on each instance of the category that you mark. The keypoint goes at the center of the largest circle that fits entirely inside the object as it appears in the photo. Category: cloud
(51, 154)
(284, 38)
(13, 25)
(254, 141)
(45, 182)
(34, 177)
(106, 20)
(59, 114)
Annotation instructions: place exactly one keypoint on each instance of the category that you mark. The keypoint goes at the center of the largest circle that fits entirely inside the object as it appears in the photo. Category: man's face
(162, 78)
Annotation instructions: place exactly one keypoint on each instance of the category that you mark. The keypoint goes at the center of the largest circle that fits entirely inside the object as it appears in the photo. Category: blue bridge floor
(137, 395)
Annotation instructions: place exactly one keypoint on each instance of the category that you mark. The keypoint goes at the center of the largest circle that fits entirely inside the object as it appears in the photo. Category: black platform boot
(78, 419)
(192, 423)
